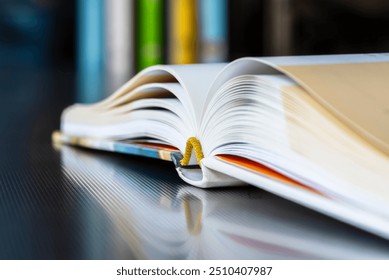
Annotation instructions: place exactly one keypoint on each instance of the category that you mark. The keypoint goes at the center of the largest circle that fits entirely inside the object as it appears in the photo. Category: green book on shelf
(149, 33)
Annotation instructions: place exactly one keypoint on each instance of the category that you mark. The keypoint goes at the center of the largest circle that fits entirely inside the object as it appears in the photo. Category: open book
(312, 129)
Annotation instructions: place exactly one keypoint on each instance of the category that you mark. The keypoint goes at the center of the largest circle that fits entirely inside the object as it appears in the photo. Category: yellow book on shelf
(183, 32)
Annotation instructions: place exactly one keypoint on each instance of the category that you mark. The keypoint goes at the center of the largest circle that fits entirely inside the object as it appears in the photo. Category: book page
(356, 93)
(127, 113)
(355, 88)
(352, 87)
(196, 79)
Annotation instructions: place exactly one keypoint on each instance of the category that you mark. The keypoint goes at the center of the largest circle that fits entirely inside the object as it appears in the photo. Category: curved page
(195, 79)
(126, 114)
(353, 87)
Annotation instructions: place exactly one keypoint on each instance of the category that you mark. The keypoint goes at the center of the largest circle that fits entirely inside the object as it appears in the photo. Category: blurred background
(105, 42)
(68, 203)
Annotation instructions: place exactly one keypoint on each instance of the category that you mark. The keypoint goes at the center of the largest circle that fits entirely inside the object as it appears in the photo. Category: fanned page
(353, 87)
(151, 115)
(297, 127)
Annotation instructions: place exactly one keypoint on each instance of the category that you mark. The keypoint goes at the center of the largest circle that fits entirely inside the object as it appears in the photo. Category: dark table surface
(60, 202)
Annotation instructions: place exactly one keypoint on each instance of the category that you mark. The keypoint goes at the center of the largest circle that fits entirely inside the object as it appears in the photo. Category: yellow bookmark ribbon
(192, 144)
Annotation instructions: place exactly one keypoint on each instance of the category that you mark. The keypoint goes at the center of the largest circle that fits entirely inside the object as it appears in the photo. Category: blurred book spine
(149, 33)
(183, 33)
(119, 42)
(26, 31)
(90, 50)
(278, 27)
(246, 28)
(213, 30)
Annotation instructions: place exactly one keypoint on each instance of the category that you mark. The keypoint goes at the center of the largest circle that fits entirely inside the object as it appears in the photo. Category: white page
(352, 87)
(195, 79)
(191, 88)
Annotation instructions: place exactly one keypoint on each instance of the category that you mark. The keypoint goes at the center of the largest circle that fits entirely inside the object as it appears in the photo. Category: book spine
(183, 32)
(213, 30)
(246, 28)
(149, 33)
(119, 42)
(90, 50)
(279, 26)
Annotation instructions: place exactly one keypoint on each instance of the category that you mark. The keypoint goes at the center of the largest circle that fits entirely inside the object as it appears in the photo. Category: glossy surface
(59, 202)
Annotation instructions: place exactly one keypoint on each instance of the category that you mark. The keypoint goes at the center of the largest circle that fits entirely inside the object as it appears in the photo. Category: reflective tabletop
(61, 202)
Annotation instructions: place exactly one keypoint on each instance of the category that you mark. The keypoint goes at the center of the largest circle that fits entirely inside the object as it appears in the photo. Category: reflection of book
(255, 224)
(131, 200)
(311, 129)
(149, 214)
